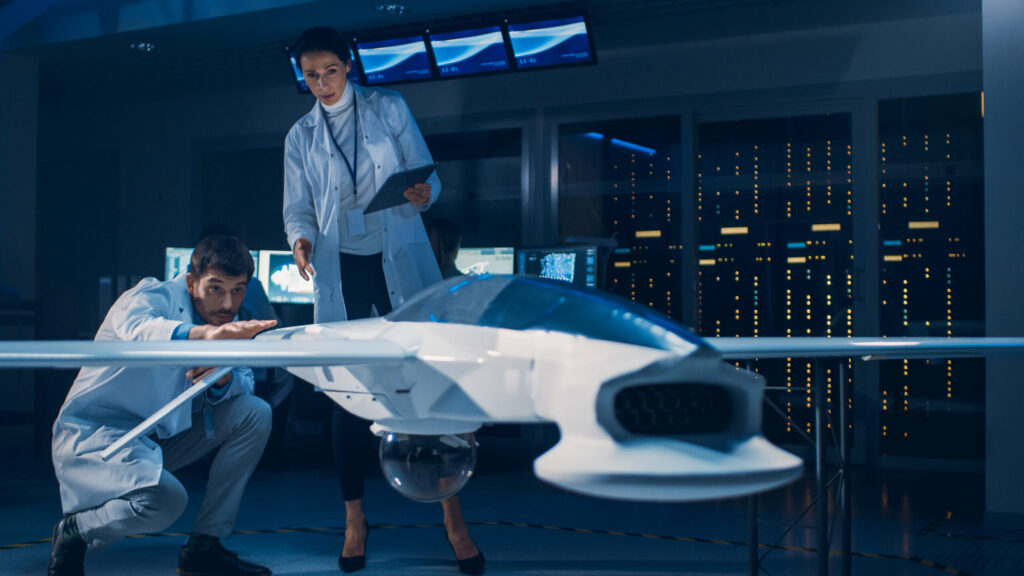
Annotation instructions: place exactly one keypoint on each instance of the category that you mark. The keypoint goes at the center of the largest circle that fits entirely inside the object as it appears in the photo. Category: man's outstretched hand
(242, 330)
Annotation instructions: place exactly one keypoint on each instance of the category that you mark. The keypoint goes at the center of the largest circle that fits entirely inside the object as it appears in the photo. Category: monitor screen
(469, 52)
(477, 261)
(176, 260)
(551, 43)
(398, 60)
(300, 80)
(574, 264)
(280, 278)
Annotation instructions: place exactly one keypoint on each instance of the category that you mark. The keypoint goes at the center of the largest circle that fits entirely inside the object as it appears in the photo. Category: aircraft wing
(188, 353)
(867, 348)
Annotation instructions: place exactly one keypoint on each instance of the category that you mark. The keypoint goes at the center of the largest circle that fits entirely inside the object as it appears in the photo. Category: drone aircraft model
(647, 410)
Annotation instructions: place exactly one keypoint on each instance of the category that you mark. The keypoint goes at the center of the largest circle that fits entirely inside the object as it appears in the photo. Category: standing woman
(335, 158)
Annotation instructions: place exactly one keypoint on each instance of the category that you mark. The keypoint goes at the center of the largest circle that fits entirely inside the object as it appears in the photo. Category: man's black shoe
(66, 558)
(215, 560)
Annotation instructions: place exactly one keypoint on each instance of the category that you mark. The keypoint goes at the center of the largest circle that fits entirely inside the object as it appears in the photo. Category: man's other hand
(197, 375)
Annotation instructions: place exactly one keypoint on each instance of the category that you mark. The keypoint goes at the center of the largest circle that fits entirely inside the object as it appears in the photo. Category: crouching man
(135, 492)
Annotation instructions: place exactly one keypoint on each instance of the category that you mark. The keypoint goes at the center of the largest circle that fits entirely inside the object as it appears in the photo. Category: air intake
(670, 409)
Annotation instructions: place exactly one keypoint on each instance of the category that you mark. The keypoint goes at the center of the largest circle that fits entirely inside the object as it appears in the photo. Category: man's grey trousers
(241, 427)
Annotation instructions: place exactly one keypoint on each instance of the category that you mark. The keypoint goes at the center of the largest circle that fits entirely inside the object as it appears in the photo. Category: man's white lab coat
(105, 403)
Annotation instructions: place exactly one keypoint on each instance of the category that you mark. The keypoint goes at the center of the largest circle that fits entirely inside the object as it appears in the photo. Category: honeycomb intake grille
(679, 408)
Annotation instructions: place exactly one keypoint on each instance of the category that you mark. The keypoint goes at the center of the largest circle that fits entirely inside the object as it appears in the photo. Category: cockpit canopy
(528, 303)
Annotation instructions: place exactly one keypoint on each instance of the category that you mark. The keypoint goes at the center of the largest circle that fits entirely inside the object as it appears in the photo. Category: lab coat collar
(184, 307)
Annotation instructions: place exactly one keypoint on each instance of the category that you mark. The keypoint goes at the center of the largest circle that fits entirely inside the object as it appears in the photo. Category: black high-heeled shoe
(473, 564)
(353, 563)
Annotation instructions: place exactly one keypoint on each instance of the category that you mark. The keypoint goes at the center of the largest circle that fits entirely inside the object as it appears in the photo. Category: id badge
(356, 222)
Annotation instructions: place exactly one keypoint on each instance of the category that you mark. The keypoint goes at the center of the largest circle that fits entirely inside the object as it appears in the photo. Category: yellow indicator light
(893, 258)
(734, 230)
(924, 225)
(707, 262)
(835, 227)
(622, 264)
(796, 260)
(648, 233)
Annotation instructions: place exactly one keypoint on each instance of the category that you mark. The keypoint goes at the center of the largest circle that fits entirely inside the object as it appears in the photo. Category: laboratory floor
(904, 523)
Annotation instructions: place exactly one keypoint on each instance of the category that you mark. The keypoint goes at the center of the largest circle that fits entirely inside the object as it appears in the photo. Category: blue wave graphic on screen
(530, 42)
(384, 58)
(460, 49)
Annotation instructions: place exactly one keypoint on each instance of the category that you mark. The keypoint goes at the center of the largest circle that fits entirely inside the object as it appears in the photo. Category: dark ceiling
(199, 45)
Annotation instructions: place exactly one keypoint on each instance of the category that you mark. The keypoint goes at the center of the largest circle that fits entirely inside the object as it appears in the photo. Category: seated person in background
(445, 239)
(135, 491)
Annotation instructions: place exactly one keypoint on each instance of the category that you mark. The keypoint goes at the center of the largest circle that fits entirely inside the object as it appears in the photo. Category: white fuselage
(459, 376)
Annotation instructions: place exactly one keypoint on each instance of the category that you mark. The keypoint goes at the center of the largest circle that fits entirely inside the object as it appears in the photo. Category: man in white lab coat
(135, 491)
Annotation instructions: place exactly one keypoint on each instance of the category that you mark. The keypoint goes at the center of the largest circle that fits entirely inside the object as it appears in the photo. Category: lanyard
(352, 166)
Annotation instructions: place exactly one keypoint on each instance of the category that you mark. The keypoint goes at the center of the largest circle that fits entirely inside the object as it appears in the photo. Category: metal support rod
(181, 399)
(819, 469)
(794, 425)
(754, 565)
(846, 519)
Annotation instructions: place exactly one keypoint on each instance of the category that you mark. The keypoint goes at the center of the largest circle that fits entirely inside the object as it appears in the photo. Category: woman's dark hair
(225, 253)
(319, 39)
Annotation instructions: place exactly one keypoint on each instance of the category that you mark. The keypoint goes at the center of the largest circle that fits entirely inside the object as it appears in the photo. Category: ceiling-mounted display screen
(466, 52)
(551, 43)
(300, 80)
(397, 60)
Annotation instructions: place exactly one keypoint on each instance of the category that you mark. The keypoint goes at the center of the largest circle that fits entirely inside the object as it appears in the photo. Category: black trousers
(363, 286)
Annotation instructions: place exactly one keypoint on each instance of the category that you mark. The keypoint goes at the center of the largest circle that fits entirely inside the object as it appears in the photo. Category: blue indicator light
(707, 248)
(792, 245)
(631, 146)
(458, 286)
(892, 243)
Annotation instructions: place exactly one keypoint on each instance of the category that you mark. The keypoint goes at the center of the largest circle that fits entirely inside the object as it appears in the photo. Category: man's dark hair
(225, 253)
(324, 39)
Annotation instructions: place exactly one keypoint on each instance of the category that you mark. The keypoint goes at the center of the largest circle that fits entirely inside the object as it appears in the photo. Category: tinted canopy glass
(524, 303)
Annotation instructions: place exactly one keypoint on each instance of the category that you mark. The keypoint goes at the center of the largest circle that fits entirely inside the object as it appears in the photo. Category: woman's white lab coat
(105, 403)
(311, 202)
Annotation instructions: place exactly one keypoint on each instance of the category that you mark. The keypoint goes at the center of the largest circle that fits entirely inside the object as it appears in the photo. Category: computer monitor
(574, 264)
(468, 52)
(280, 278)
(544, 43)
(477, 261)
(176, 260)
(395, 60)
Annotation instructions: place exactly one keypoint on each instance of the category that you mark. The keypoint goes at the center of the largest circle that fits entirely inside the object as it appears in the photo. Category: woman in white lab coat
(336, 158)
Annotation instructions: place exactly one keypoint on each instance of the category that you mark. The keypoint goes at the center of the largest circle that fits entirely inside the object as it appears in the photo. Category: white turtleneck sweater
(341, 121)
